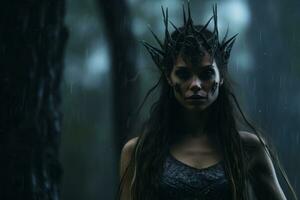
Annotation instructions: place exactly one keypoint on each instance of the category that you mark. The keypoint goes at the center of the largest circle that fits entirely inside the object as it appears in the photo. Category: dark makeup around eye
(205, 73)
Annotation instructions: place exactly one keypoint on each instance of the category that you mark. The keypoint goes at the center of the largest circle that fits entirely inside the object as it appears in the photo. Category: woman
(190, 147)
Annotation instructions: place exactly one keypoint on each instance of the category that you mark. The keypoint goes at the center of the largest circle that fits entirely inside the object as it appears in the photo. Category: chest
(195, 155)
(183, 182)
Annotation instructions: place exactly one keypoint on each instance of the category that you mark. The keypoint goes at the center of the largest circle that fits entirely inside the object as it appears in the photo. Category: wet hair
(146, 164)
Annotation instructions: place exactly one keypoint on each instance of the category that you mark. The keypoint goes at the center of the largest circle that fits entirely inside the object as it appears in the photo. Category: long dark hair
(146, 164)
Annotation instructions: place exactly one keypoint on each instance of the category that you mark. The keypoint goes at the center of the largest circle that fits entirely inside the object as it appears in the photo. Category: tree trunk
(32, 41)
(123, 72)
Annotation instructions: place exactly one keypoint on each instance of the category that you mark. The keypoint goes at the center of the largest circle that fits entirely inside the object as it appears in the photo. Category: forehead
(205, 61)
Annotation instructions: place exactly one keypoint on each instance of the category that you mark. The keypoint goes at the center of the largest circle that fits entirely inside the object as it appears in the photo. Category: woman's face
(195, 87)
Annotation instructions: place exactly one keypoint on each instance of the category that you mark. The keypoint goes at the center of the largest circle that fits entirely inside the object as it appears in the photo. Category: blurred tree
(117, 22)
(32, 41)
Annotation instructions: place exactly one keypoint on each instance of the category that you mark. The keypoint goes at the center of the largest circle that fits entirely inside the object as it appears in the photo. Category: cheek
(177, 88)
(211, 86)
(179, 84)
(208, 84)
(214, 87)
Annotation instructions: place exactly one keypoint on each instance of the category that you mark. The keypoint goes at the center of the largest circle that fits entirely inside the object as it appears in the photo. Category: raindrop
(71, 88)
(260, 36)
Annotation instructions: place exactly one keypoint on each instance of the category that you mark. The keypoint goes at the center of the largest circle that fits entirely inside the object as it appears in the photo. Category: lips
(196, 97)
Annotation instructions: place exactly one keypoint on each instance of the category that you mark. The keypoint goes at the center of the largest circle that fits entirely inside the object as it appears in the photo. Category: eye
(183, 74)
(207, 74)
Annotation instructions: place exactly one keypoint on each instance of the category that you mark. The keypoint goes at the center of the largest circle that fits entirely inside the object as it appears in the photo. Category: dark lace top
(183, 182)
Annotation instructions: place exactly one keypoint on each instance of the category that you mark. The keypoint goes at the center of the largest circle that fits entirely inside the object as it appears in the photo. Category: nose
(196, 84)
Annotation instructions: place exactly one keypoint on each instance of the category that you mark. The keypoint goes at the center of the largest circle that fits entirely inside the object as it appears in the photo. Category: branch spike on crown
(168, 48)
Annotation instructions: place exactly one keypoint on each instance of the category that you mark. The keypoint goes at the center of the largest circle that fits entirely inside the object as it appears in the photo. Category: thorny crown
(191, 40)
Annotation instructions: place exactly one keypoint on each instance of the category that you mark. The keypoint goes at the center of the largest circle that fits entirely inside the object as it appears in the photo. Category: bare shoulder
(250, 140)
(258, 157)
(249, 137)
(254, 148)
(126, 154)
(129, 146)
(261, 169)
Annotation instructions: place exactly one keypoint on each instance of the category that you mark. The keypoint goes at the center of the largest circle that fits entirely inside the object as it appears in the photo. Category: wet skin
(203, 80)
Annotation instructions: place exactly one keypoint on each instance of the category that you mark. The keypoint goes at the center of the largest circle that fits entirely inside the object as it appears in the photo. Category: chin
(196, 107)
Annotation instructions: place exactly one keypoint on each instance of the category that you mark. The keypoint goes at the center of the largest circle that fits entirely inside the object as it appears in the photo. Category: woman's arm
(263, 177)
(124, 163)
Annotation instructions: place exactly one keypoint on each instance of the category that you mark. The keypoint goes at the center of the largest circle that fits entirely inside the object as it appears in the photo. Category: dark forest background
(73, 71)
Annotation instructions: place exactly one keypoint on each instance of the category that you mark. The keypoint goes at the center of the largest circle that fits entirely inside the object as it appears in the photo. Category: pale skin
(195, 149)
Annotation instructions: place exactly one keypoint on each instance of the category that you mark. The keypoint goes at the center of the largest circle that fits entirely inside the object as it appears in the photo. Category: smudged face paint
(195, 87)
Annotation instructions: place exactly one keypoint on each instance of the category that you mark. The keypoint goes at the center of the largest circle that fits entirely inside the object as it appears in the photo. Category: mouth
(196, 97)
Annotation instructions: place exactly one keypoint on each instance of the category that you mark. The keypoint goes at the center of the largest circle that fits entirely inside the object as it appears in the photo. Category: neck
(191, 123)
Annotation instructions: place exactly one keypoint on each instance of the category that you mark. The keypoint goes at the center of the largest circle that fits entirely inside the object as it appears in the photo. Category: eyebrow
(184, 66)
